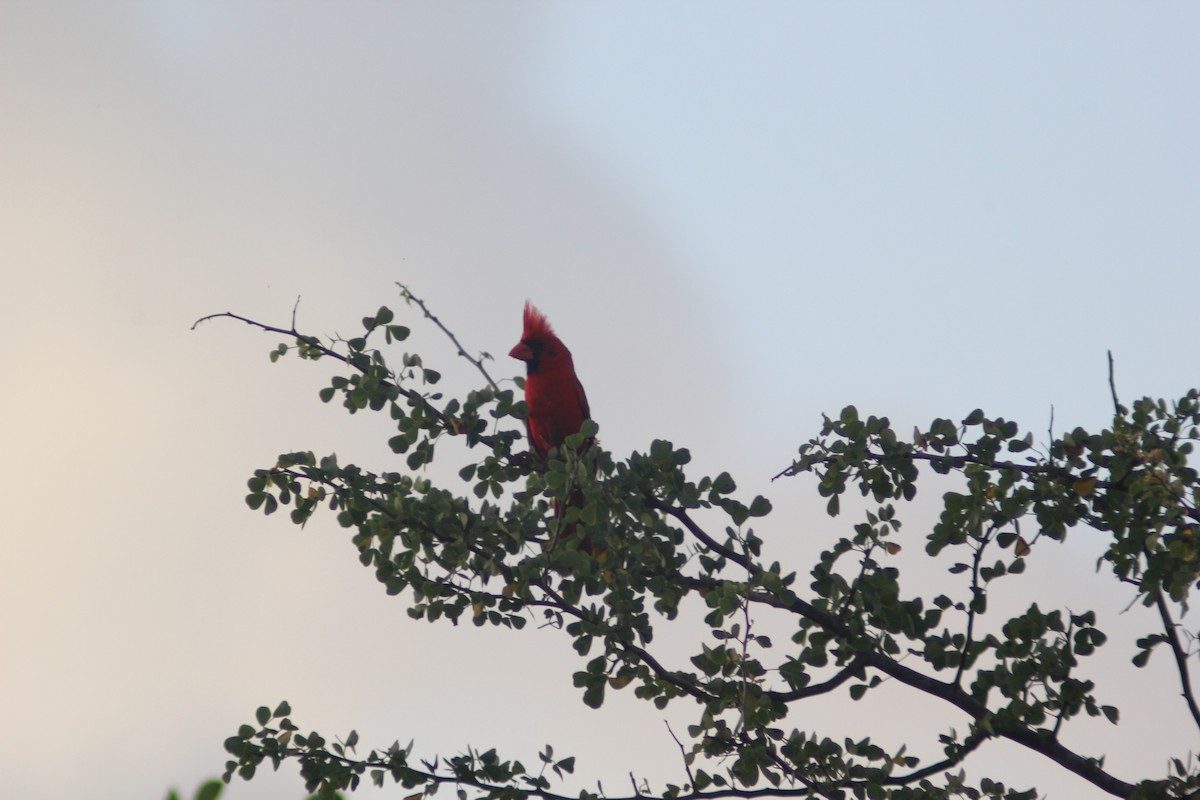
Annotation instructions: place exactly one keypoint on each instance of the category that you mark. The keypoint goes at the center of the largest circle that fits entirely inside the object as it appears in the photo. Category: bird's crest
(536, 325)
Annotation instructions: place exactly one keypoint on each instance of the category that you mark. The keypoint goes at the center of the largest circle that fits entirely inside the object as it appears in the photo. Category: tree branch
(685, 519)
(687, 767)
(1180, 656)
(1036, 740)
(957, 462)
(690, 688)
(315, 343)
(477, 363)
(812, 690)
(968, 746)
(1118, 409)
(976, 591)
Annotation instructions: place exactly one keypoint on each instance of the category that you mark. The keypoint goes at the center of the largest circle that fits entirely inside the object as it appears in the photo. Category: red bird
(556, 400)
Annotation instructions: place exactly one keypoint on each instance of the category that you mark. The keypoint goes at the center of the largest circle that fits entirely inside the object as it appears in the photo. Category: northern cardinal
(555, 397)
(556, 400)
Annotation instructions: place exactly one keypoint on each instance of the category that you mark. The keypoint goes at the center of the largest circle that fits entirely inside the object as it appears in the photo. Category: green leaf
(210, 790)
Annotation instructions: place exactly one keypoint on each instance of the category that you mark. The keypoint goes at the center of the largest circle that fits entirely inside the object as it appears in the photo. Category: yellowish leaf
(620, 681)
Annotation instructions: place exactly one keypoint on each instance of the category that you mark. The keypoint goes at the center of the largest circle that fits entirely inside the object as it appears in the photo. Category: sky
(738, 216)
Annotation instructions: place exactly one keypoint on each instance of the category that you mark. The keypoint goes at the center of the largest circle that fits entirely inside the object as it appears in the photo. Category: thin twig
(1112, 388)
(312, 341)
(686, 765)
(976, 591)
(478, 363)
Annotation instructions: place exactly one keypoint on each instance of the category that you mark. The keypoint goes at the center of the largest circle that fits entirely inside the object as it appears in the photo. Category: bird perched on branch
(557, 403)
(555, 397)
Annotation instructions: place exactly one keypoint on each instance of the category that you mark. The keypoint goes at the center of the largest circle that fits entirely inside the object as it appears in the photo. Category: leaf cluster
(639, 542)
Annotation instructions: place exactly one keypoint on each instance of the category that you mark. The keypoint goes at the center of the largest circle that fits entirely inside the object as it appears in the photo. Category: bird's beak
(521, 352)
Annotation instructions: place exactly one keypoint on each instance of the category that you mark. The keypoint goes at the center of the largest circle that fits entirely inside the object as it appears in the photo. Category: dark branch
(676, 679)
(845, 673)
(315, 343)
(684, 519)
(1030, 470)
(1118, 409)
(1180, 656)
(968, 746)
(477, 363)
(953, 462)
(1038, 741)
(687, 767)
(976, 590)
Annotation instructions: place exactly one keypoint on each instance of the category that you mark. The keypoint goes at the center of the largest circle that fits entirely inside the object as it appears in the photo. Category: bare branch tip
(207, 317)
(1112, 387)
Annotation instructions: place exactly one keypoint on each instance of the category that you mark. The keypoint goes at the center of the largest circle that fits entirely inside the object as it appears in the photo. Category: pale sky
(738, 216)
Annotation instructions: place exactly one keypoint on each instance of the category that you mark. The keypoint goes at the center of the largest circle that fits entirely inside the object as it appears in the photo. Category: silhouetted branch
(1118, 409)
(685, 519)
(1180, 656)
(477, 363)
(311, 341)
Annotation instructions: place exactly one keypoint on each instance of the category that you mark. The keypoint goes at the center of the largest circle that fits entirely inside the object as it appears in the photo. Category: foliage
(213, 789)
(661, 543)
(209, 790)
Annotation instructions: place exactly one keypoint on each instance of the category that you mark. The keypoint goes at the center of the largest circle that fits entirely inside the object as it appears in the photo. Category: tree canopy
(661, 542)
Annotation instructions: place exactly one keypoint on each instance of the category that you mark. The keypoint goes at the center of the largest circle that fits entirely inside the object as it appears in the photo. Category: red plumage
(557, 403)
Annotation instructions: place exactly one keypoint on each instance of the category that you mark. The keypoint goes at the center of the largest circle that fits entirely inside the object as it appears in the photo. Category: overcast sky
(738, 216)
